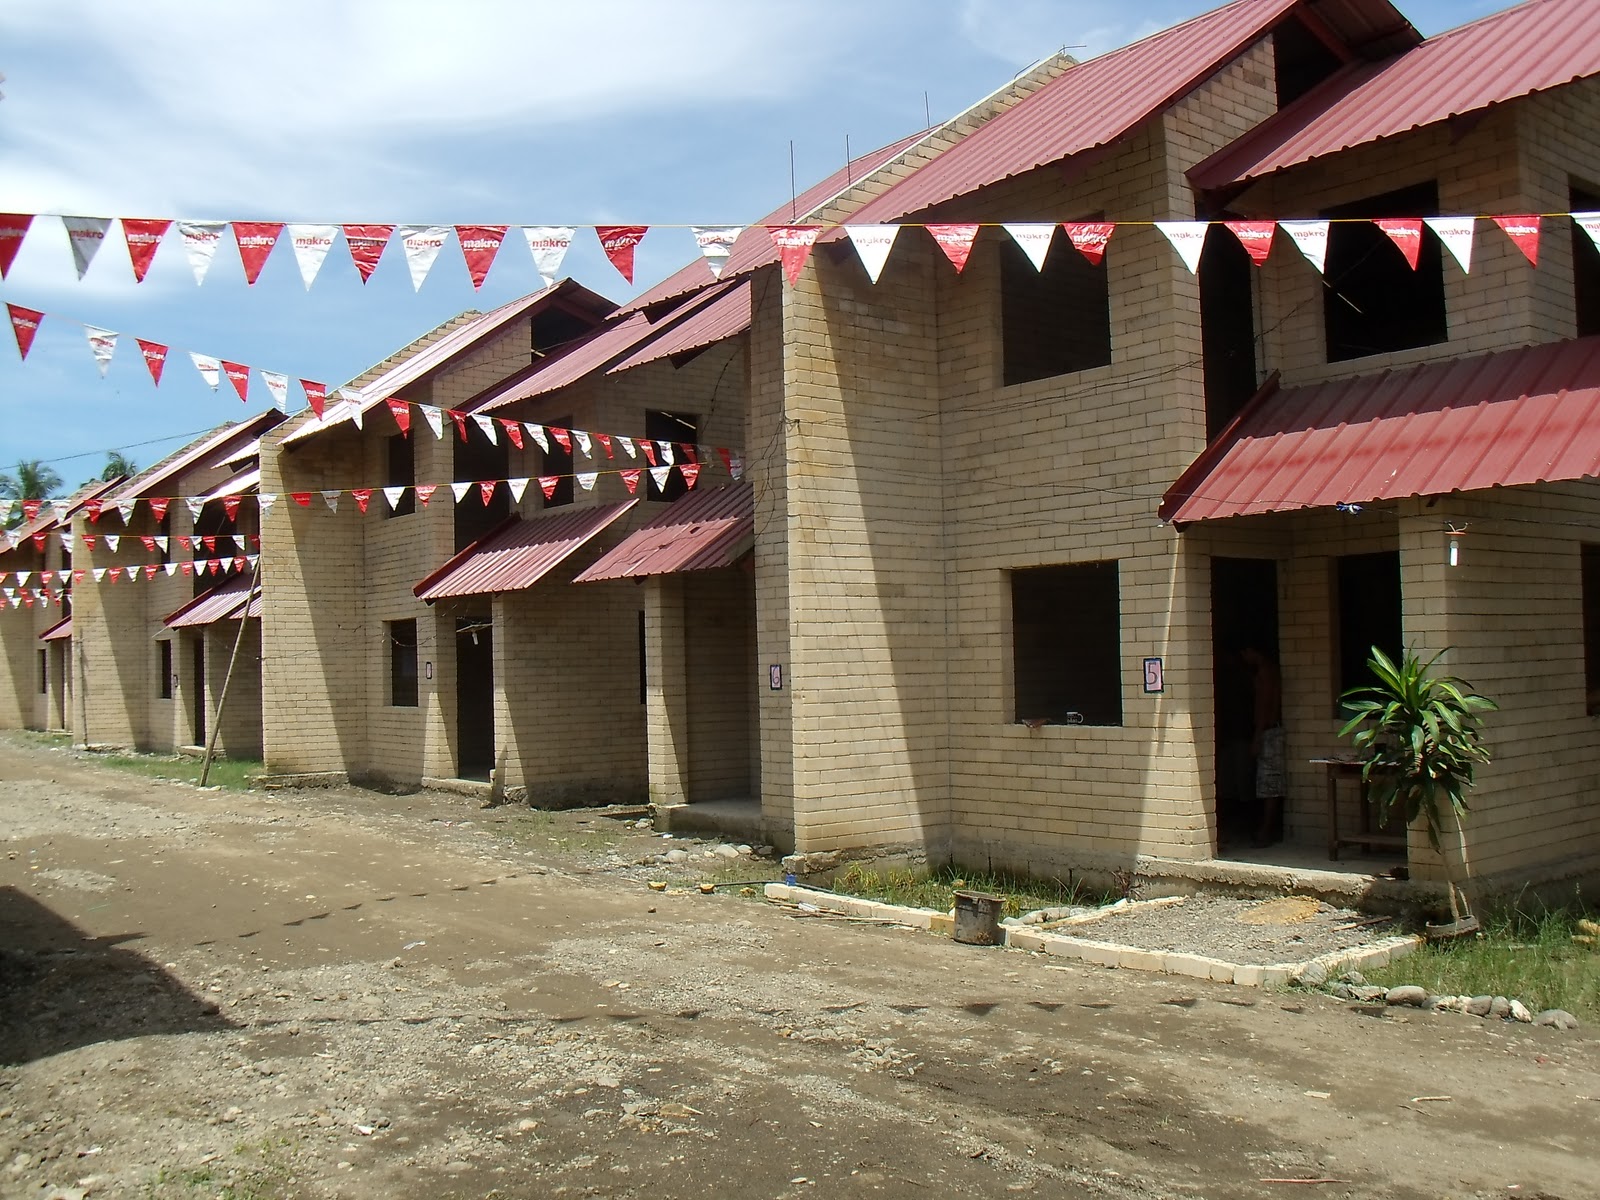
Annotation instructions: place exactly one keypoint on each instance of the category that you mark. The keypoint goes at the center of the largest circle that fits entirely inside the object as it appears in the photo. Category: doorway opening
(199, 677)
(1244, 615)
(474, 698)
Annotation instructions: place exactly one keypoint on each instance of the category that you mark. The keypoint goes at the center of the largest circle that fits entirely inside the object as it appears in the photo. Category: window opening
(402, 663)
(1066, 634)
(680, 429)
(1367, 587)
(1374, 303)
(1055, 321)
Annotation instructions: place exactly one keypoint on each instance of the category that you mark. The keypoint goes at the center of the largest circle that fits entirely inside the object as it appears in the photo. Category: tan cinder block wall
(236, 713)
(22, 704)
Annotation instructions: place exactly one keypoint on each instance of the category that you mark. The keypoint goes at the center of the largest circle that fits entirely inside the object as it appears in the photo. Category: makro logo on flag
(312, 240)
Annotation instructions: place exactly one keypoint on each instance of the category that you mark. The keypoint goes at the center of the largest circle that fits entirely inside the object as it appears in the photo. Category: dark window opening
(1374, 303)
(1585, 265)
(1591, 628)
(557, 462)
(1367, 588)
(1227, 327)
(477, 459)
(1066, 637)
(643, 675)
(402, 663)
(680, 429)
(1055, 321)
(554, 328)
(44, 672)
(164, 666)
(1303, 60)
(401, 471)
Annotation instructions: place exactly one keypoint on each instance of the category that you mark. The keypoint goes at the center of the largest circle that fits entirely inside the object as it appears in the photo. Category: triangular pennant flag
(517, 488)
(956, 242)
(311, 245)
(727, 458)
(25, 324)
(690, 472)
(649, 449)
(59, 508)
(86, 235)
(1456, 234)
(619, 242)
(460, 490)
(214, 566)
(1312, 239)
(486, 491)
(548, 244)
(210, 543)
(627, 445)
(460, 418)
(435, 419)
(115, 573)
(303, 499)
(230, 505)
(605, 444)
(513, 431)
(155, 357)
(547, 485)
(256, 240)
(161, 543)
(425, 492)
(265, 501)
(363, 497)
(151, 569)
(210, 368)
(125, 510)
(1034, 241)
(486, 424)
(102, 344)
(394, 495)
(67, 540)
(278, 385)
(93, 508)
(158, 507)
(316, 396)
(1090, 238)
(1188, 238)
(422, 244)
(113, 541)
(479, 245)
(194, 505)
(367, 243)
(582, 438)
(666, 452)
(30, 509)
(239, 375)
(200, 242)
(564, 436)
(873, 243)
(330, 497)
(240, 563)
(39, 540)
(794, 244)
(536, 432)
(401, 411)
(661, 475)
(1406, 233)
(352, 402)
(1524, 232)
(586, 479)
(170, 568)
(13, 228)
(144, 239)
(1255, 237)
(186, 567)
(716, 243)
(736, 466)
(149, 541)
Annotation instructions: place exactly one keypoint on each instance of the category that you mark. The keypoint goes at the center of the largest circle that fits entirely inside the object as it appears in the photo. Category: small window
(401, 472)
(1055, 321)
(1367, 589)
(1374, 303)
(1591, 628)
(164, 667)
(681, 431)
(44, 672)
(1066, 635)
(1301, 60)
(402, 663)
(1585, 265)
(557, 461)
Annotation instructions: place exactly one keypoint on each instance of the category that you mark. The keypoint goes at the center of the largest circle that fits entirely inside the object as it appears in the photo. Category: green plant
(1421, 737)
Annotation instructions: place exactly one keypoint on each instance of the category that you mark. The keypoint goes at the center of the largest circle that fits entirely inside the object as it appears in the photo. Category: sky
(405, 112)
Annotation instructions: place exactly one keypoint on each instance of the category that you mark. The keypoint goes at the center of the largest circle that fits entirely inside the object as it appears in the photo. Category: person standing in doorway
(1268, 743)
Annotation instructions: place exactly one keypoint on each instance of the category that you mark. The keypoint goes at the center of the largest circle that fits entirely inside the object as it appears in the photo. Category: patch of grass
(1524, 952)
(235, 774)
(935, 889)
(542, 829)
(58, 740)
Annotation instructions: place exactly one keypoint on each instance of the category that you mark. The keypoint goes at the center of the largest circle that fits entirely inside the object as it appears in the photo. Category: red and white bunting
(1456, 234)
(265, 501)
(13, 229)
(435, 419)
(716, 244)
(619, 243)
(239, 375)
(230, 505)
(479, 245)
(422, 244)
(460, 490)
(102, 344)
(125, 511)
(627, 445)
(425, 492)
(1188, 238)
(1255, 237)
(1589, 222)
(872, 243)
(563, 436)
(486, 492)
(311, 244)
(367, 244)
(144, 239)
(547, 485)
(363, 497)
(316, 396)
(513, 431)
(690, 472)
(158, 507)
(200, 242)
(352, 402)
(25, 324)
(581, 436)
(112, 541)
(194, 504)
(518, 487)
(278, 386)
(401, 411)
(331, 499)
(605, 444)
(256, 240)
(86, 235)
(586, 479)
(649, 449)
(666, 451)
(548, 244)
(1090, 237)
(1033, 240)
(1312, 239)
(956, 242)
(486, 424)
(1406, 233)
(660, 476)
(1524, 234)
(394, 496)
(155, 358)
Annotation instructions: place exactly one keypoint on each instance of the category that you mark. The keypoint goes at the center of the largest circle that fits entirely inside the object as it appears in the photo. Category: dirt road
(348, 994)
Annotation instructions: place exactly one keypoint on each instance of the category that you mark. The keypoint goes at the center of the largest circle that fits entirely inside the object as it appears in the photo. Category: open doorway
(1244, 614)
(474, 698)
(199, 689)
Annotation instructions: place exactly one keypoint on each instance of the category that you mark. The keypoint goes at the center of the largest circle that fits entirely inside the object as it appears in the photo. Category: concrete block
(1142, 960)
(1021, 939)
(1191, 965)
(1248, 975)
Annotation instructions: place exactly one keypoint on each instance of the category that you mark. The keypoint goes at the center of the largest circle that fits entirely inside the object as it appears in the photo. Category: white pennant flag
(1034, 240)
(716, 243)
(311, 245)
(873, 243)
(517, 486)
(6, 505)
(549, 245)
(252, 560)
(99, 574)
(170, 568)
(1456, 234)
(435, 418)
(66, 541)
(661, 475)
(200, 242)
(195, 504)
(59, 508)
(586, 479)
(582, 438)
(666, 452)
(102, 344)
(331, 499)
(736, 465)
(265, 501)
(1188, 238)
(278, 385)
(536, 432)
(125, 510)
(487, 425)
(461, 490)
(422, 244)
(394, 495)
(353, 404)
(23, 577)
(161, 543)
(86, 234)
(210, 368)
(1312, 239)
(1589, 222)
(112, 541)
(626, 443)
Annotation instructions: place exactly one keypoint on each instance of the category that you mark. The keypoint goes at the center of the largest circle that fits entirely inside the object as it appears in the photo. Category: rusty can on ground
(977, 920)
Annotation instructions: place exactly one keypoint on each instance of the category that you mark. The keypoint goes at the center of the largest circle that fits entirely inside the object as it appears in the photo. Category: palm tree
(33, 479)
(118, 466)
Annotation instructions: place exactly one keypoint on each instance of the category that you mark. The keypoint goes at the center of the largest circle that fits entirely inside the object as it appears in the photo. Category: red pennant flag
(618, 241)
(93, 507)
(24, 323)
(210, 543)
(460, 419)
(547, 484)
(564, 436)
(39, 540)
(230, 505)
(155, 357)
(149, 540)
(726, 457)
(690, 451)
(303, 499)
(158, 507)
(78, 575)
(186, 567)
(185, 543)
(605, 444)
(425, 492)
(794, 244)
(240, 563)
(89, 541)
(362, 495)
(255, 540)
(649, 449)
(402, 415)
(956, 242)
(1089, 238)
(631, 478)
(115, 573)
(256, 240)
(316, 396)
(1255, 237)
(1524, 231)
(30, 509)
(214, 565)
(239, 375)
(13, 228)
(479, 245)
(143, 238)
(367, 243)
(691, 472)
(513, 431)
(150, 570)
(1405, 232)
(486, 491)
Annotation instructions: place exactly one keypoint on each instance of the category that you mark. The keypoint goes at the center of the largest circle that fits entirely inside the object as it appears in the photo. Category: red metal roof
(702, 531)
(1497, 420)
(518, 553)
(225, 602)
(725, 317)
(242, 483)
(59, 632)
(223, 445)
(1530, 48)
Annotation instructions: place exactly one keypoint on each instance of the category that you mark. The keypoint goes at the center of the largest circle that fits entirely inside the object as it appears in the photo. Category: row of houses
(963, 559)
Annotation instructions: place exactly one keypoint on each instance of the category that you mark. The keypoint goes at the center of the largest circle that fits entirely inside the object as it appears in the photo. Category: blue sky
(400, 111)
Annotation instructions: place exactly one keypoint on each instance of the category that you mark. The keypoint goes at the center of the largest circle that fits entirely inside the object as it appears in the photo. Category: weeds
(935, 889)
(236, 774)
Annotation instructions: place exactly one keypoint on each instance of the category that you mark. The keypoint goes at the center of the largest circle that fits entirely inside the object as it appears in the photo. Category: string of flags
(52, 585)
(163, 544)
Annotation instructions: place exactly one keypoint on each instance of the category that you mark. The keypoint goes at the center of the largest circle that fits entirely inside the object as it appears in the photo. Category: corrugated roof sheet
(223, 445)
(1515, 417)
(59, 632)
(246, 482)
(1535, 46)
(225, 602)
(725, 317)
(702, 531)
(518, 553)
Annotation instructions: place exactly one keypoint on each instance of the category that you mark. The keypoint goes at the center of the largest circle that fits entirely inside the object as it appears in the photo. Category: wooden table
(1337, 768)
